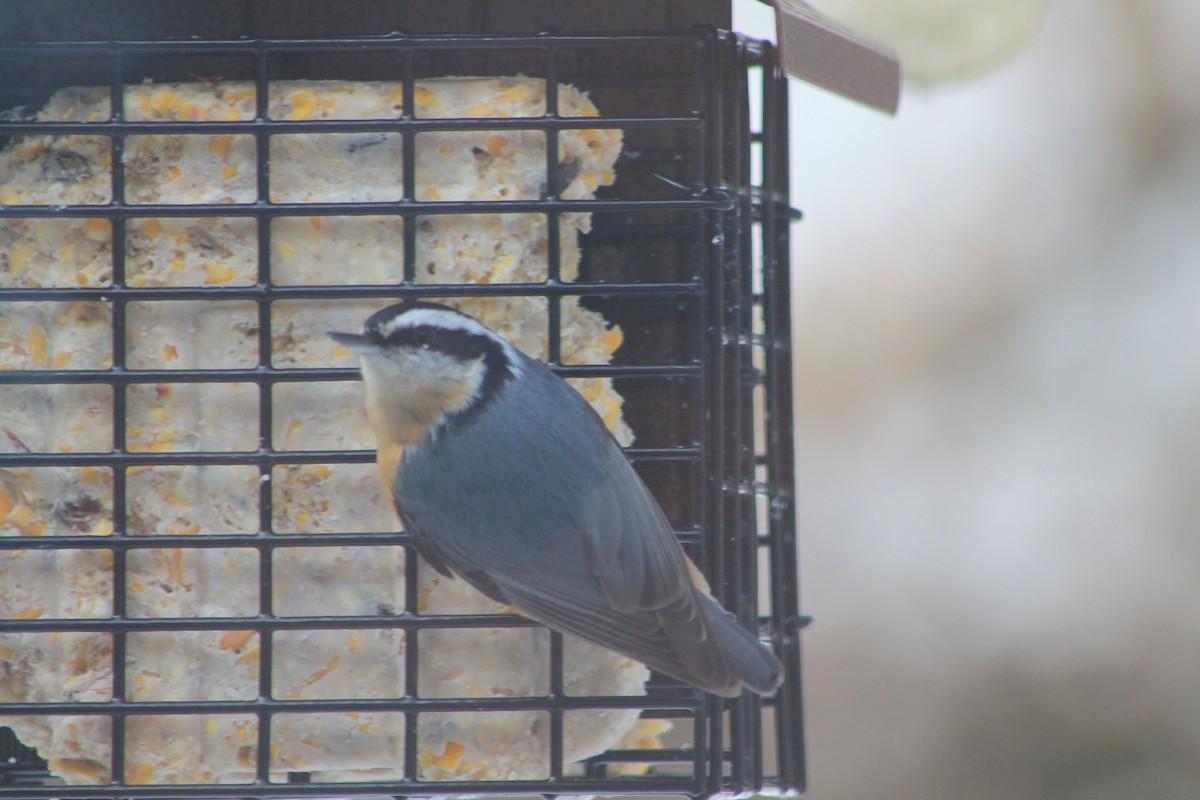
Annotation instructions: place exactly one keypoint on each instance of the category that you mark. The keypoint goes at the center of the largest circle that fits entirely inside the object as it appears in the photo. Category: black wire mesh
(688, 253)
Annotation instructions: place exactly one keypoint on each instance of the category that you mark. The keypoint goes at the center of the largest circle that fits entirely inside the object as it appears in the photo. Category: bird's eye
(421, 337)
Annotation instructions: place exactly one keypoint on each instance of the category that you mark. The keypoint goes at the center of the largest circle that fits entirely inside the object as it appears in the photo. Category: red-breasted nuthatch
(503, 475)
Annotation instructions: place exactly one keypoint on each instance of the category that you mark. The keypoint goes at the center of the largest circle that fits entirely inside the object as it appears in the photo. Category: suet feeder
(202, 593)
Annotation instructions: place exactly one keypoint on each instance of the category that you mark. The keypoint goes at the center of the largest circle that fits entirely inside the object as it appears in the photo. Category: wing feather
(649, 637)
(578, 544)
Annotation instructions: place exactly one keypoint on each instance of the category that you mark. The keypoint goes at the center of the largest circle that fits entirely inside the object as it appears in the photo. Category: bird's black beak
(355, 341)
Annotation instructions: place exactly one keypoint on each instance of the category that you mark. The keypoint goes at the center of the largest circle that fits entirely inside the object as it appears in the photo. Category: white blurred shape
(944, 40)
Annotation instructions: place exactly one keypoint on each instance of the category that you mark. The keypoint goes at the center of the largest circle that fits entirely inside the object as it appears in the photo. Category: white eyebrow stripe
(434, 318)
(450, 320)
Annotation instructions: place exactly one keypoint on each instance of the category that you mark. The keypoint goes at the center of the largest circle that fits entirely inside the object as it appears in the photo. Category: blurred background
(997, 318)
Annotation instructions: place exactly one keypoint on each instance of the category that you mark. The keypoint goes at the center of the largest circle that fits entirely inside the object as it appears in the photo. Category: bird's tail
(756, 665)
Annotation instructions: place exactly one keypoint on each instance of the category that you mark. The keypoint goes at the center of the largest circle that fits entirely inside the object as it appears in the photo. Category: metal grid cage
(688, 253)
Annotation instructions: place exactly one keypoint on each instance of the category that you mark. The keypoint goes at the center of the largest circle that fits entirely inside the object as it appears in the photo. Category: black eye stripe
(461, 344)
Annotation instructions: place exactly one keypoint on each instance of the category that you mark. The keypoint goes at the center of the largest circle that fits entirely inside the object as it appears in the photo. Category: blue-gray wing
(561, 526)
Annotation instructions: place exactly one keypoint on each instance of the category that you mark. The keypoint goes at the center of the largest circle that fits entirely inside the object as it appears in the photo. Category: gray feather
(757, 667)
(561, 526)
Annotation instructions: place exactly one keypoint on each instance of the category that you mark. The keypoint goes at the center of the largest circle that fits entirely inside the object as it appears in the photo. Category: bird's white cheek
(406, 400)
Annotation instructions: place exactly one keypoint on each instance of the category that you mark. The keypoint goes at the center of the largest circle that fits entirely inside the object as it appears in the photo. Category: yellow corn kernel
(165, 101)
(89, 771)
(30, 152)
(98, 230)
(233, 114)
(6, 503)
(151, 227)
(515, 94)
(286, 250)
(450, 756)
(292, 427)
(18, 258)
(174, 559)
(92, 475)
(221, 143)
(589, 388)
(333, 664)
(37, 345)
(431, 193)
(105, 528)
(142, 773)
(249, 656)
(613, 413)
(106, 558)
(612, 340)
(61, 359)
(173, 174)
(219, 274)
(228, 171)
(67, 254)
(317, 472)
(33, 612)
(234, 640)
(74, 312)
(178, 262)
(313, 742)
(170, 352)
(495, 144)
(341, 351)
(304, 103)
(424, 97)
(5, 653)
(649, 744)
